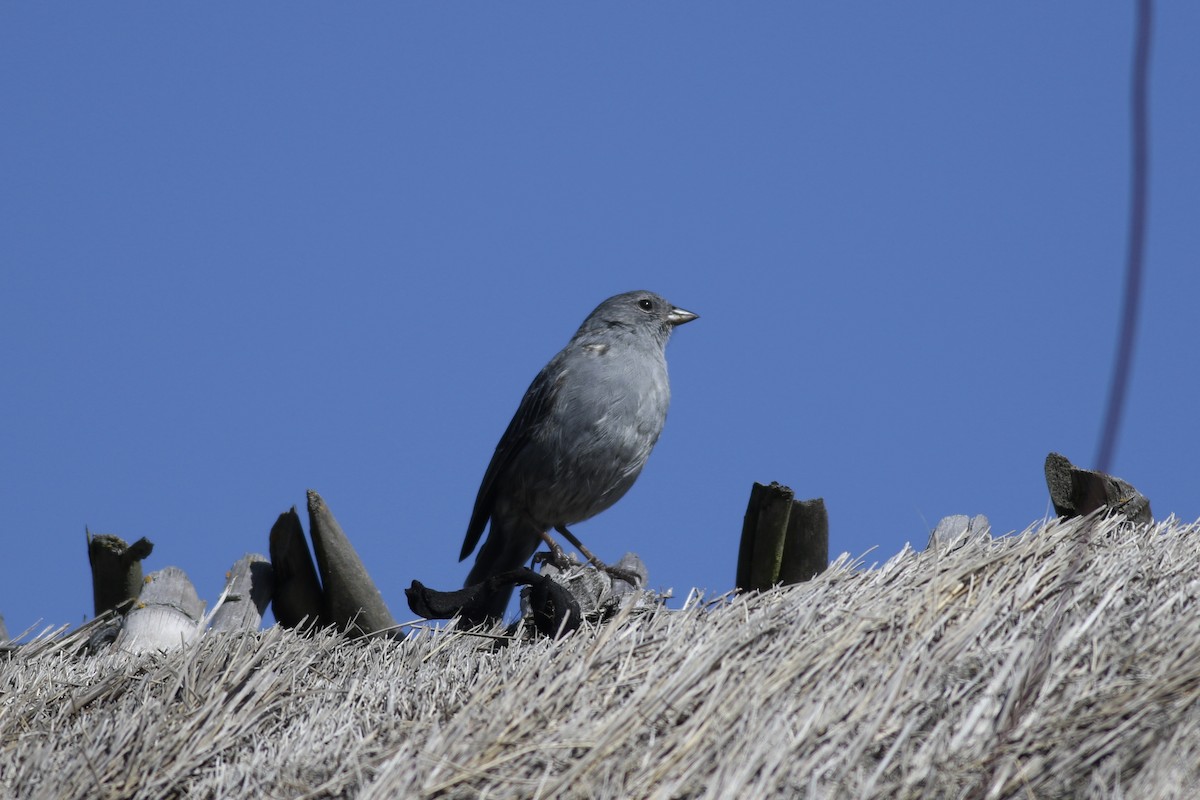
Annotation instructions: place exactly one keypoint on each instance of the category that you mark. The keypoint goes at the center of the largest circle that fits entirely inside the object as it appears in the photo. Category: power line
(1137, 238)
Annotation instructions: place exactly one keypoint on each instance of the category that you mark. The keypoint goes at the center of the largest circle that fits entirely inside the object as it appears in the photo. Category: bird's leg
(629, 577)
(557, 557)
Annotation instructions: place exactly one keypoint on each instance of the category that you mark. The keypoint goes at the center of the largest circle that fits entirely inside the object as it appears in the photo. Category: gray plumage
(581, 435)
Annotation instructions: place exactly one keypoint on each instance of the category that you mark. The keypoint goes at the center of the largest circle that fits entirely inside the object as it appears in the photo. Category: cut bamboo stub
(166, 616)
(116, 570)
(784, 540)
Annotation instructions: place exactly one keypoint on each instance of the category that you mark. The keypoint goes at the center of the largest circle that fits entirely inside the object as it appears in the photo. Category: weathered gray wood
(116, 570)
(352, 601)
(1058, 481)
(1077, 492)
(166, 616)
(598, 593)
(806, 544)
(297, 599)
(960, 527)
(632, 564)
(3, 630)
(248, 592)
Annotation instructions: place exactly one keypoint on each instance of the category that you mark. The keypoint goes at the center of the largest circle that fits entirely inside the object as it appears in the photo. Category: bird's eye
(645, 304)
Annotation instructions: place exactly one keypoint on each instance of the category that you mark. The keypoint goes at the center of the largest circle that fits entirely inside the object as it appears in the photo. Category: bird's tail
(508, 546)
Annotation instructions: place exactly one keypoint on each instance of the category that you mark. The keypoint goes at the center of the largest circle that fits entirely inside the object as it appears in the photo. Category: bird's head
(639, 313)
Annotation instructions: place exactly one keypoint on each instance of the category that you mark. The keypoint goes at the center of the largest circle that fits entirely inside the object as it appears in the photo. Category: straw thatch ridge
(1030, 666)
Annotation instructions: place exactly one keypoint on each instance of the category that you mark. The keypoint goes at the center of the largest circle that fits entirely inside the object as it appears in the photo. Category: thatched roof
(1029, 666)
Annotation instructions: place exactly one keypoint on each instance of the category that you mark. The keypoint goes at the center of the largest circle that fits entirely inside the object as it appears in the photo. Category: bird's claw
(559, 559)
(555, 556)
(632, 578)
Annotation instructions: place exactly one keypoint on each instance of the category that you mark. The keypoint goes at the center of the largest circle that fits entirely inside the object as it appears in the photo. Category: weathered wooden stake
(298, 597)
(116, 570)
(249, 585)
(166, 616)
(784, 540)
(352, 601)
(957, 527)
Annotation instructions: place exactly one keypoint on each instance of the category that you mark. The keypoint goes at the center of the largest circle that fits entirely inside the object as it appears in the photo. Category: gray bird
(580, 437)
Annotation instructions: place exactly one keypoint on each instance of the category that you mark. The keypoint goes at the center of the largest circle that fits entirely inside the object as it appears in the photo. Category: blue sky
(250, 249)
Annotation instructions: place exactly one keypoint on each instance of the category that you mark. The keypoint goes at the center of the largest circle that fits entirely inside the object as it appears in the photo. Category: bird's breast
(607, 415)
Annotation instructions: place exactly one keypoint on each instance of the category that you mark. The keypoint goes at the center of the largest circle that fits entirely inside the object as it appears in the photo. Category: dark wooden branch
(1078, 492)
(116, 570)
(553, 607)
(352, 601)
(297, 599)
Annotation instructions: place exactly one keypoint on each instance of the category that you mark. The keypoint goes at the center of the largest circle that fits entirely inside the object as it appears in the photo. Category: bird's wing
(535, 405)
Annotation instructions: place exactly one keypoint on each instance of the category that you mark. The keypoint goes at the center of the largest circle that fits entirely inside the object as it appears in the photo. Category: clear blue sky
(254, 248)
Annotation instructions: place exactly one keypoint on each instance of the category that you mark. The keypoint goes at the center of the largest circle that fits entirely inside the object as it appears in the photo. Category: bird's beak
(678, 316)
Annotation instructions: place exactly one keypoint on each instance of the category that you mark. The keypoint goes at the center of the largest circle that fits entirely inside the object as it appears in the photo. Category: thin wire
(1137, 238)
(1036, 667)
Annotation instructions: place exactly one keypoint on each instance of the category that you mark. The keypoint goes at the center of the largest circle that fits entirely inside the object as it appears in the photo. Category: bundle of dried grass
(1031, 666)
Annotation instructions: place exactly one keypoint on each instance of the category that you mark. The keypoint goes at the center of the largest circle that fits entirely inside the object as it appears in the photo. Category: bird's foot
(632, 578)
(557, 556)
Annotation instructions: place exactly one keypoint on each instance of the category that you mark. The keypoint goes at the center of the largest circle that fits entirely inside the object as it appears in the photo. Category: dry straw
(937, 674)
